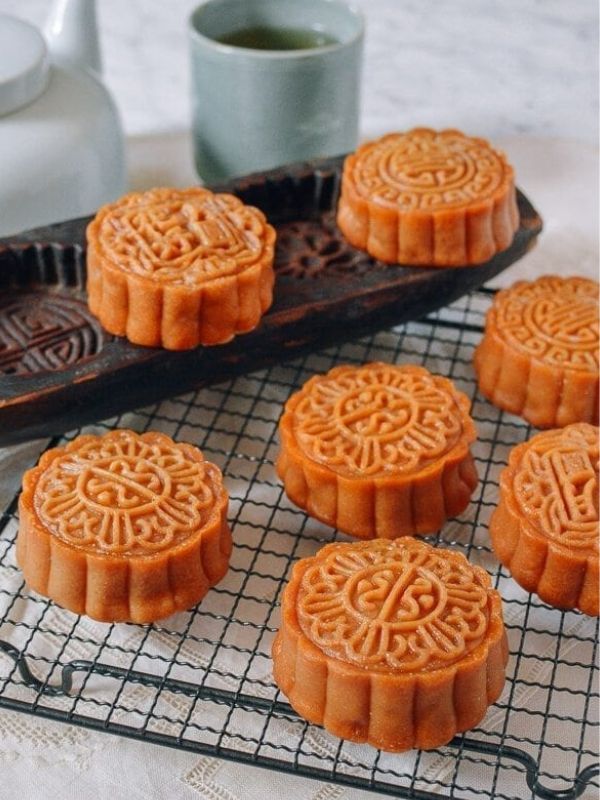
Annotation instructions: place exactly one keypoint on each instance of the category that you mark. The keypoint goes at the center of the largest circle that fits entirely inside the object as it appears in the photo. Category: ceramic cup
(256, 109)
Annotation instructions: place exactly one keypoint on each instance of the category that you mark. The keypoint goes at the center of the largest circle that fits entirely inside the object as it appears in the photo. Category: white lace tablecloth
(40, 759)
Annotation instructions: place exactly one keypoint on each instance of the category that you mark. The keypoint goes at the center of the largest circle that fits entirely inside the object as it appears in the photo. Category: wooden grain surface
(59, 369)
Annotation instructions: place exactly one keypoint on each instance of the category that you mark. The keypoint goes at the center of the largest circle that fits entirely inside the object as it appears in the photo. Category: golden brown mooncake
(538, 357)
(177, 268)
(545, 528)
(123, 527)
(428, 198)
(394, 643)
(379, 450)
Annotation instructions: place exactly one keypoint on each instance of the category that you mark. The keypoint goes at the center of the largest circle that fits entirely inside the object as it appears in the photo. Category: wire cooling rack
(201, 680)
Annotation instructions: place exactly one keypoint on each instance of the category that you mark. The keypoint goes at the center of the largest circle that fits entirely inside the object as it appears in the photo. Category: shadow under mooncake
(123, 527)
(378, 451)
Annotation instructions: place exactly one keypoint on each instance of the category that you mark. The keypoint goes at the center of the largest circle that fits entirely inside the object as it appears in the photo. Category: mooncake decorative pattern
(123, 526)
(406, 607)
(427, 170)
(428, 198)
(377, 419)
(394, 643)
(379, 450)
(556, 485)
(553, 319)
(125, 494)
(179, 267)
(539, 354)
(545, 529)
(182, 237)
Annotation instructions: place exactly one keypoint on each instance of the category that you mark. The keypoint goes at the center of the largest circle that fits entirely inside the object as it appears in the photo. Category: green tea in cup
(262, 37)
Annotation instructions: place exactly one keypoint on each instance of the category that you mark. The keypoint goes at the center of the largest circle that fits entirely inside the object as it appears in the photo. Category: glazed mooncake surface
(394, 643)
(428, 198)
(545, 529)
(176, 268)
(123, 527)
(539, 354)
(379, 450)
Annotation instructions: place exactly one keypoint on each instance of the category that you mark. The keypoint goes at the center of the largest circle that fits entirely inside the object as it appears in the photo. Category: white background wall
(492, 67)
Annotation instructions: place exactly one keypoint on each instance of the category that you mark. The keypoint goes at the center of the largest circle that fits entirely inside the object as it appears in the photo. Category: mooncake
(539, 354)
(545, 528)
(177, 268)
(379, 450)
(394, 643)
(123, 527)
(428, 198)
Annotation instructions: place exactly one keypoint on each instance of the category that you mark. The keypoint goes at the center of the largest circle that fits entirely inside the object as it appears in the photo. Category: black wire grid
(201, 680)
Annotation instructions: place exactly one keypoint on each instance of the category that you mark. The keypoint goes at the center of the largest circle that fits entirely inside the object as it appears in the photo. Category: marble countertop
(492, 68)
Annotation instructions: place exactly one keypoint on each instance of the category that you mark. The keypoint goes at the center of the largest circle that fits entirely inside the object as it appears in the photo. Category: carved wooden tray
(59, 369)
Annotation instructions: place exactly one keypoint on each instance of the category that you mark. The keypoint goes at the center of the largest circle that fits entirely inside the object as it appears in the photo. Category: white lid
(23, 63)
